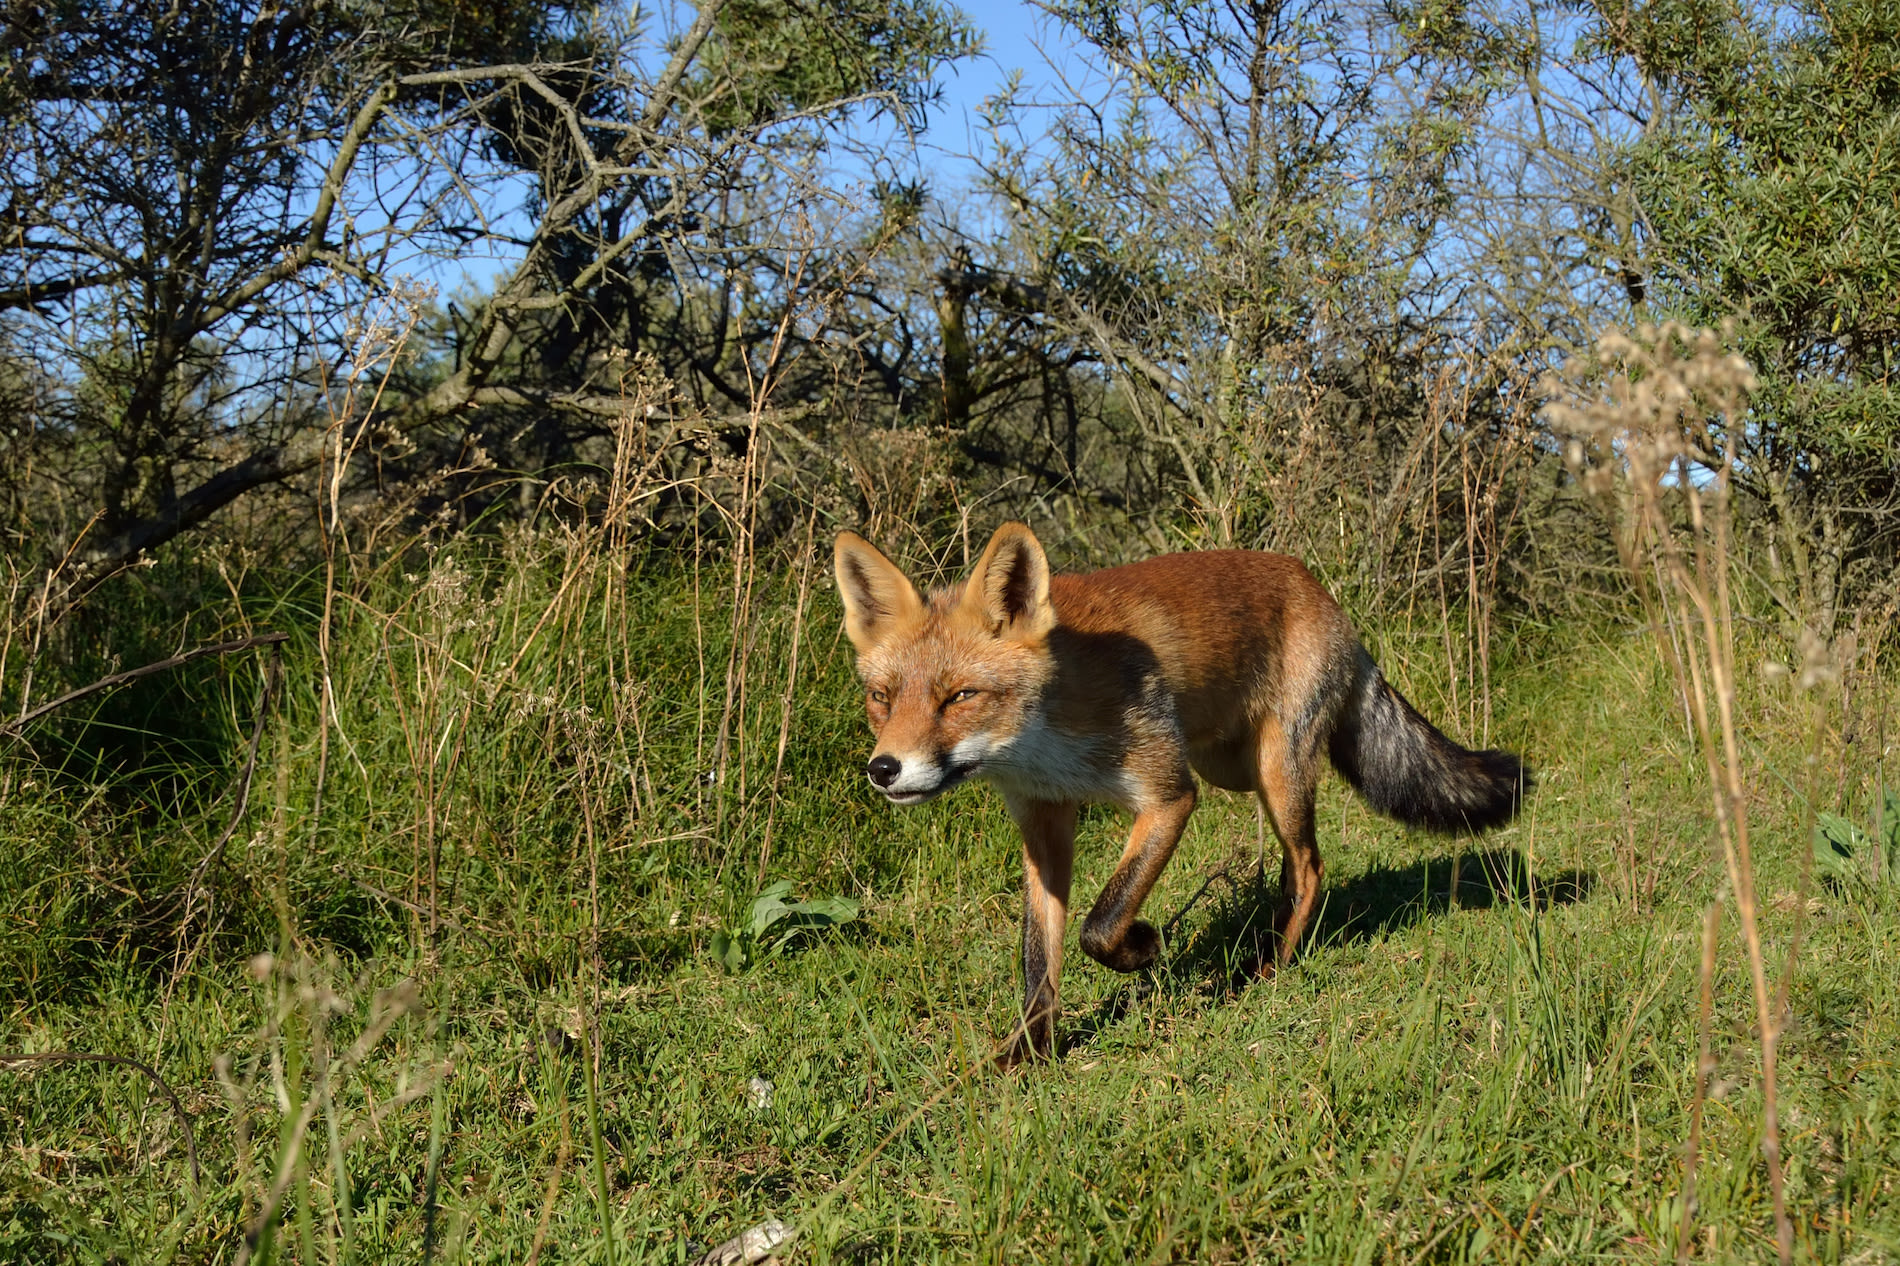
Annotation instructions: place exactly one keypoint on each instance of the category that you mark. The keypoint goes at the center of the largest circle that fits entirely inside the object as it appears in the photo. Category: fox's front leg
(1113, 936)
(1048, 830)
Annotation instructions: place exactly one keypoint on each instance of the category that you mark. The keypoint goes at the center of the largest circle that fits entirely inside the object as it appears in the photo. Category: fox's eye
(878, 696)
(963, 696)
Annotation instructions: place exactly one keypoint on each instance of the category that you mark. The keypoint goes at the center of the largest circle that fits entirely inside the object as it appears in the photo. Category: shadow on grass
(1382, 901)
(1223, 957)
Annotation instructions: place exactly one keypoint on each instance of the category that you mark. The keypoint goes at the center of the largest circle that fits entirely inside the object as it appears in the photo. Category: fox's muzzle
(916, 779)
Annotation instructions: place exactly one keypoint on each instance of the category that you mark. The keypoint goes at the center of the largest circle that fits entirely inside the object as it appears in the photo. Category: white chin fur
(909, 790)
(912, 787)
(973, 751)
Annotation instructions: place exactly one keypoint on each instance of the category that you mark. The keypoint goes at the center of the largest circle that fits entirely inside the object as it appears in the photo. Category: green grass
(1502, 1073)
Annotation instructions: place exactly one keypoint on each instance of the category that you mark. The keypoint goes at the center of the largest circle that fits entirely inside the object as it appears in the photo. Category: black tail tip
(1476, 791)
(1498, 782)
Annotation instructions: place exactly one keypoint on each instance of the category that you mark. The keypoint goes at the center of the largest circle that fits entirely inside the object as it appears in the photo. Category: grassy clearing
(514, 842)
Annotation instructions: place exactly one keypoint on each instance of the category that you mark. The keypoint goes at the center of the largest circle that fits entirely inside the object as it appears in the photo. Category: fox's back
(1237, 634)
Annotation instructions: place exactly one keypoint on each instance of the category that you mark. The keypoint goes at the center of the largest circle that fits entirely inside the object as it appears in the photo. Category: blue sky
(1017, 37)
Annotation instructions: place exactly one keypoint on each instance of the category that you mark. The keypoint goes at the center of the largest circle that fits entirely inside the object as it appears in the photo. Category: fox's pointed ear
(876, 595)
(1011, 583)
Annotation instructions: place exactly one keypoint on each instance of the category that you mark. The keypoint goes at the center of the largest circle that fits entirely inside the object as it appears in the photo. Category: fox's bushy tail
(1406, 769)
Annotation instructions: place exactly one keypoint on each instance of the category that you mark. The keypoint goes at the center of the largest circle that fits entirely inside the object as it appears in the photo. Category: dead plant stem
(790, 692)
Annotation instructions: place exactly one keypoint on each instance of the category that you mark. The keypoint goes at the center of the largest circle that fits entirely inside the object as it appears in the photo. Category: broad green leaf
(1837, 844)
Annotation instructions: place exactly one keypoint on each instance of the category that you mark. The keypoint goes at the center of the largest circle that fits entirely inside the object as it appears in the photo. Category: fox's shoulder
(1213, 619)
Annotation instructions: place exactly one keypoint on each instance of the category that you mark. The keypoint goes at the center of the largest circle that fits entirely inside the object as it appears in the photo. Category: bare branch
(123, 1061)
(300, 258)
(1024, 296)
(25, 719)
(37, 292)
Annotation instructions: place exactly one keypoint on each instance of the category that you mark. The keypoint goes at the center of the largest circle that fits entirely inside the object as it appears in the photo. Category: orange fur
(1116, 687)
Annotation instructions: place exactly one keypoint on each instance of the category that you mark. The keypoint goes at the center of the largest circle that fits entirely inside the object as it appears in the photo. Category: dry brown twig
(123, 1061)
(133, 674)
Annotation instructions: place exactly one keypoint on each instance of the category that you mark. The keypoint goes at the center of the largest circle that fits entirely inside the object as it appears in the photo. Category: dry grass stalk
(1653, 426)
(786, 698)
(300, 1069)
(351, 396)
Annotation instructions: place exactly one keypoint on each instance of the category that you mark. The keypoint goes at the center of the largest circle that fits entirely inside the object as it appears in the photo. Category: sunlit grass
(525, 848)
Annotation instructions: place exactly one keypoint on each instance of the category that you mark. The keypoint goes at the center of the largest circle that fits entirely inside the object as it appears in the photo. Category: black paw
(1138, 948)
(1026, 1047)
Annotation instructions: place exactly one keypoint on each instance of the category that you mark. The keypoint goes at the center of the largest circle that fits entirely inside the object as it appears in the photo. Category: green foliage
(175, 265)
(522, 736)
(1853, 858)
(778, 55)
(411, 35)
(1249, 220)
(1770, 190)
(773, 923)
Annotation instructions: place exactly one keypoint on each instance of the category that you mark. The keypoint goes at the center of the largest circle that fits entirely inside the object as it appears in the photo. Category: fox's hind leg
(1289, 778)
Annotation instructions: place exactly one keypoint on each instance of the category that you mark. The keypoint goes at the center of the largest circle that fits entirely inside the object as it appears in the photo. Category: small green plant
(773, 922)
(1850, 857)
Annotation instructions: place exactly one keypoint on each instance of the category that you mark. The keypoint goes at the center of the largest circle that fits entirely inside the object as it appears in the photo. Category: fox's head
(951, 682)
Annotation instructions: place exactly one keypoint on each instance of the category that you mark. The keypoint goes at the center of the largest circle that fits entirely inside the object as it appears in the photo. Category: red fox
(1110, 688)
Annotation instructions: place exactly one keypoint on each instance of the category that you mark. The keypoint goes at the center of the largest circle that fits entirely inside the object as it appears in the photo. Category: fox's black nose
(884, 770)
